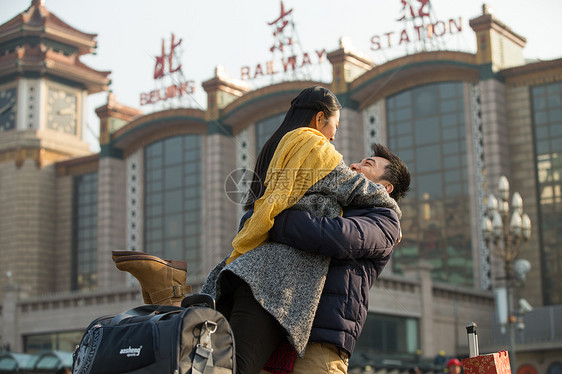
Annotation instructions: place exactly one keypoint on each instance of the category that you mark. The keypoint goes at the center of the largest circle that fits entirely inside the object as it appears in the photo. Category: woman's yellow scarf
(302, 158)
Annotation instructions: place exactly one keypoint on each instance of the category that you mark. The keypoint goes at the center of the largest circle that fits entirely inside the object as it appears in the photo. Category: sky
(235, 34)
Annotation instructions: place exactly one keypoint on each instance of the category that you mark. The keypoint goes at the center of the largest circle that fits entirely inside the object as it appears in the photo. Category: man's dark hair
(396, 172)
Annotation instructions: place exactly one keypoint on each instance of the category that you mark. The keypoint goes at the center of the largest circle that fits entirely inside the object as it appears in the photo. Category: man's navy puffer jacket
(360, 245)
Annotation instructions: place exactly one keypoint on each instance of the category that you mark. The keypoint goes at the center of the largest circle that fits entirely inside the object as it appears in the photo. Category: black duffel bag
(194, 338)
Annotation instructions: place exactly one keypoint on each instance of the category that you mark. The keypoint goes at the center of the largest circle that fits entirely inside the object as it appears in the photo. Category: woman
(269, 290)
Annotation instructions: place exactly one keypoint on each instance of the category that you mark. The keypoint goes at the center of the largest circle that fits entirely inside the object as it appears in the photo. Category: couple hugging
(315, 236)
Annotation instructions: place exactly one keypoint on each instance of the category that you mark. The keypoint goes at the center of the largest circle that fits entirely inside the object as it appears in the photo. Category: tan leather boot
(117, 254)
(162, 281)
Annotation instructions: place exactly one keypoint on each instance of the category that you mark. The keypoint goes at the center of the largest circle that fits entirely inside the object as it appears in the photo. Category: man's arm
(360, 233)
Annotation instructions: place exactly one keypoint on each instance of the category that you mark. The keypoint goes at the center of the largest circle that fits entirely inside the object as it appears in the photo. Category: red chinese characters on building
(408, 8)
(283, 31)
(165, 65)
(160, 66)
(279, 25)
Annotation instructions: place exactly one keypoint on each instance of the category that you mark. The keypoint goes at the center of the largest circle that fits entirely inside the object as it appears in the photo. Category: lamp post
(503, 235)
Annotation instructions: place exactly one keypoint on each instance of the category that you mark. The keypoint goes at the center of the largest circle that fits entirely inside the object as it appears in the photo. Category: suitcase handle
(472, 339)
(158, 317)
(199, 299)
(142, 311)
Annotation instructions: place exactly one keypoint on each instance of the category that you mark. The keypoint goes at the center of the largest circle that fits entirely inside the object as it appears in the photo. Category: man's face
(373, 168)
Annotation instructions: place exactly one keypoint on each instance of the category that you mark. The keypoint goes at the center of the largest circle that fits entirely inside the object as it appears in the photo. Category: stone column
(219, 210)
(222, 90)
(427, 314)
(112, 192)
(111, 219)
(422, 272)
(497, 44)
(220, 221)
(8, 327)
(347, 65)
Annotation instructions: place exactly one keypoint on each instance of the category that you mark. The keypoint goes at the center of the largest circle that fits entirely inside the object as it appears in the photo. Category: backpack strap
(204, 350)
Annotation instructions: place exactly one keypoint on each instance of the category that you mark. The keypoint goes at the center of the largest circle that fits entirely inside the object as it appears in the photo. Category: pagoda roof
(38, 43)
(41, 61)
(38, 21)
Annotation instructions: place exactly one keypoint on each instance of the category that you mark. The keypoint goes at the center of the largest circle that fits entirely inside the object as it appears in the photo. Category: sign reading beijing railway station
(167, 71)
(416, 16)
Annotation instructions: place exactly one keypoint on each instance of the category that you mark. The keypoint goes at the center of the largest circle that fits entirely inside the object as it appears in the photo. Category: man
(360, 244)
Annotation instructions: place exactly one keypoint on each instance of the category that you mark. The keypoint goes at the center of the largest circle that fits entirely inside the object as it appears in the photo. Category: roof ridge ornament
(40, 3)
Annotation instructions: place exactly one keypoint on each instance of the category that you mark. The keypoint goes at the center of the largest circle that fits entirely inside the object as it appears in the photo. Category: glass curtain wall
(85, 232)
(547, 121)
(172, 205)
(56, 341)
(389, 335)
(265, 128)
(426, 128)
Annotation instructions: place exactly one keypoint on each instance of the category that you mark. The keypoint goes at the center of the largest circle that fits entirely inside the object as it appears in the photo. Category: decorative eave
(117, 110)
(42, 146)
(38, 22)
(532, 67)
(223, 82)
(347, 65)
(488, 22)
(77, 166)
(534, 73)
(347, 54)
(222, 90)
(38, 60)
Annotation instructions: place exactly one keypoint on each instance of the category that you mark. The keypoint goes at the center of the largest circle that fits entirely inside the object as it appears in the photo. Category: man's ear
(388, 186)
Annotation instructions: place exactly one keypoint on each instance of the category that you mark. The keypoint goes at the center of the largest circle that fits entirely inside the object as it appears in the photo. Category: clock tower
(44, 86)
(43, 92)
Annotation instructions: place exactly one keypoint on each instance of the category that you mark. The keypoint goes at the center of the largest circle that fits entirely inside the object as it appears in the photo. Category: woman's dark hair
(303, 108)
(396, 172)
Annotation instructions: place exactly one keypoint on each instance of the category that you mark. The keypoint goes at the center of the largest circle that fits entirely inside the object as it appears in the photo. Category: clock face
(7, 109)
(61, 110)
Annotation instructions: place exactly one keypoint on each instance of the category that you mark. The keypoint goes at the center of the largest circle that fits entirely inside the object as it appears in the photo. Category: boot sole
(176, 264)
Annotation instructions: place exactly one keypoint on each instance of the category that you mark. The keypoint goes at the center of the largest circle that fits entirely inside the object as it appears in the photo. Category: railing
(542, 325)
(73, 299)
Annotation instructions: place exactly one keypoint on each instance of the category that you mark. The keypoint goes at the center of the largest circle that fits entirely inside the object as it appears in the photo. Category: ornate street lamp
(503, 235)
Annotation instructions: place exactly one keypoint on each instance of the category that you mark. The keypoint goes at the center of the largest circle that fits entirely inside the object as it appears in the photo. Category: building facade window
(265, 128)
(172, 198)
(85, 232)
(547, 124)
(56, 341)
(426, 128)
(389, 334)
